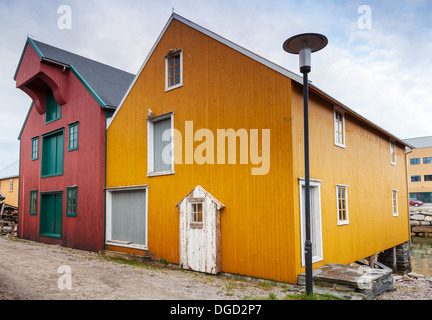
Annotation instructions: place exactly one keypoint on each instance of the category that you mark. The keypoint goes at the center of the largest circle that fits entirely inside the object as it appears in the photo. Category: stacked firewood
(8, 219)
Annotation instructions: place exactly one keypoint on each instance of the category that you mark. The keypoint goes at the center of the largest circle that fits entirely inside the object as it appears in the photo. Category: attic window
(173, 69)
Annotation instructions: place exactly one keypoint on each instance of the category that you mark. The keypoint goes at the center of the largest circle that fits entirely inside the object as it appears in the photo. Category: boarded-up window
(160, 145)
(128, 217)
(52, 154)
(53, 109)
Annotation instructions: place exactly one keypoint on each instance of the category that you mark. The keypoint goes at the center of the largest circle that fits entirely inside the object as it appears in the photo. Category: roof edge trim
(35, 48)
(88, 87)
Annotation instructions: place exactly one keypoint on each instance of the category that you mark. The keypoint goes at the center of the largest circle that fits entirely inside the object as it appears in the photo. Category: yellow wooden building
(205, 165)
(9, 181)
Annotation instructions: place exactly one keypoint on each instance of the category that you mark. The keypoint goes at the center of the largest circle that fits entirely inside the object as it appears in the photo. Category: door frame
(108, 220)
(42, 200)
(313, 184)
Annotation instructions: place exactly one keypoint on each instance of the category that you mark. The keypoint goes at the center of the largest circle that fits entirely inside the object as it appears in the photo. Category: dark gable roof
(107, 84)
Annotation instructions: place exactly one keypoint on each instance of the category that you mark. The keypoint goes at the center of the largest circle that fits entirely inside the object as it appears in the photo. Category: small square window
(73, 137)
(196, 213)
(33, 202)
(72, 195)
(173, 69)
(342, 204)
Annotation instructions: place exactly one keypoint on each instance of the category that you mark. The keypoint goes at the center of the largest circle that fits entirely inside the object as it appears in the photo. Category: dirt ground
(36, 271)
(30, 271)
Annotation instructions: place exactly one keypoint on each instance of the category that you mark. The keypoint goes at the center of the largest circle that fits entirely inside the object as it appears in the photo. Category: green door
(51, 215)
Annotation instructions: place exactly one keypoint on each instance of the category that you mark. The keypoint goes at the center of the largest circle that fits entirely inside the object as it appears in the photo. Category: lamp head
(303, 45)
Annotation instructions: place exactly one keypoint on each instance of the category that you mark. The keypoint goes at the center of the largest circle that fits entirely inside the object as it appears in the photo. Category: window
(52, 154)
(393, 152)
(160, 155)
(126, 216)
(173, 69)
(427, 160)
(53, 109)
(395, 203)
(415, 178)
(415, 161)
(35, 149)
(342, 204)
(428, 177)
(33, 202)
(73, 137)
(72, 194)
(197, 212)
(10, 185)
(339, 128)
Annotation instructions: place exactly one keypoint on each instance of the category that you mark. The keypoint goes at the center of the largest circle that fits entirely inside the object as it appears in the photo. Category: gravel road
(30, 271)
(36, 271)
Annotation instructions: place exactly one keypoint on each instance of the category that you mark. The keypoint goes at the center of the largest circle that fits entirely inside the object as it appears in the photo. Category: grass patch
(313, 296)
(266, 285)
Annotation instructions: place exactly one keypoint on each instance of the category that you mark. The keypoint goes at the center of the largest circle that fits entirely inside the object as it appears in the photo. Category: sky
(378, 61)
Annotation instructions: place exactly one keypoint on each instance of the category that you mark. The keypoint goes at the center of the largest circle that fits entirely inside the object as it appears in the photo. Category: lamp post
(303, 45)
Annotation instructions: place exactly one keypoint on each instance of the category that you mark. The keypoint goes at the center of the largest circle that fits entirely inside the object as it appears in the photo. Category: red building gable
(62, 145)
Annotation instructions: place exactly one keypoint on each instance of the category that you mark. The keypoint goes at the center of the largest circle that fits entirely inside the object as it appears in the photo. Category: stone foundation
(421, 222)
(364, 282)
(403, 258)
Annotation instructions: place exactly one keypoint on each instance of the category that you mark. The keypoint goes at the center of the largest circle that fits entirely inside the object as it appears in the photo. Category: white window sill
(126, 244)
(162, 173)
(178, 85)
(340, 145)
(343, 223)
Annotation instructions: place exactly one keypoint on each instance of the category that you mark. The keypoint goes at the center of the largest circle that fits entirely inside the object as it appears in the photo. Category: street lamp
(303, 45)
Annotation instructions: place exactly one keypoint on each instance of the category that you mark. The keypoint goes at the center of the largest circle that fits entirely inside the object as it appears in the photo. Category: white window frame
(342, 222)
(196, 224)
(392, 151)
(317, 256)
(150, 145)
(180, 84)
(395, 212)
(339, 110)
(10, 185)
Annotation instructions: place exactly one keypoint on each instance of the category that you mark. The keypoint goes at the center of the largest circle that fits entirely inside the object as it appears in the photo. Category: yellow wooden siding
(11, 197)
(222, 90)
(364, 165)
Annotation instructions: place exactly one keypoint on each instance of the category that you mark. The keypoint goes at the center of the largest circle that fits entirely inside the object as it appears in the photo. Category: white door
(315, 214)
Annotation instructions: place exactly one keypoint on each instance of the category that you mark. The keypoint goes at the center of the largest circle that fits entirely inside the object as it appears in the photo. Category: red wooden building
(62, 145)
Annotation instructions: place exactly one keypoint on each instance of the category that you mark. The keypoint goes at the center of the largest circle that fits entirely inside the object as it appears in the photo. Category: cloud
(383, 73)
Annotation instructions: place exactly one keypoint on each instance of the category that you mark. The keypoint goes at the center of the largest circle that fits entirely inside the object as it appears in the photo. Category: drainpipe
(406, 167)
